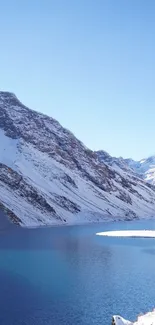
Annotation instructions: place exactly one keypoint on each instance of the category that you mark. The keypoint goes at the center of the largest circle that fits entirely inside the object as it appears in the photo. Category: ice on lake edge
(128, 233)
(147, 319)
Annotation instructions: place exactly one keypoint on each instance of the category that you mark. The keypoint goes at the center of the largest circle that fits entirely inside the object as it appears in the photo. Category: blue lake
(70, 276)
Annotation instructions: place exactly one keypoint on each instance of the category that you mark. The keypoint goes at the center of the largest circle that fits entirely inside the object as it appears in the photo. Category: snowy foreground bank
(147, 319)
(128, 233)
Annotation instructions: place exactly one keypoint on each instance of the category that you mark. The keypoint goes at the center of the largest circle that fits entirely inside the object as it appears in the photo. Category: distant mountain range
(47, 176)
(144, 168)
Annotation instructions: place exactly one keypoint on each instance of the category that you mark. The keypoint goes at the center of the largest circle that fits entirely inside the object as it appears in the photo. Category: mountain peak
(6, 94)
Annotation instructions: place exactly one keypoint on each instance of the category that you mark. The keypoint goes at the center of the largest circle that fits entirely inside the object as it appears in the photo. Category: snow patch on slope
(8, 150)
(145, 168)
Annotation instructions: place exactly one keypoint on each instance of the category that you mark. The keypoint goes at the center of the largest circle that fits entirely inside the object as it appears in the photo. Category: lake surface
(70, 276)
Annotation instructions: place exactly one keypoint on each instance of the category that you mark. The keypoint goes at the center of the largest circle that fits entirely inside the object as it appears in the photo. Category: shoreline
(72, 224)
(85, 223)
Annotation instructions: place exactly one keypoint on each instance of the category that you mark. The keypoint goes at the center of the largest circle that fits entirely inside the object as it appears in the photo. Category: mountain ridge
(48, 176)
(144, 168)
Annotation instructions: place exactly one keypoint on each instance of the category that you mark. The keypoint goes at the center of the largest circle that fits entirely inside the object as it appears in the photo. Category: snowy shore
(147, 319)
(128, 233)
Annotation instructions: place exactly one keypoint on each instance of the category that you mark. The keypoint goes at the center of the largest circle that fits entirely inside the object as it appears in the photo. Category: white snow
(145, 167)
(147, 319)
(8, 149)
(118, 320)
(128, 233)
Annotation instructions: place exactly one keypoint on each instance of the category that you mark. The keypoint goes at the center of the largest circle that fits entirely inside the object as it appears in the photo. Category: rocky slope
(47, 176)
(119, 164)
(144, 168)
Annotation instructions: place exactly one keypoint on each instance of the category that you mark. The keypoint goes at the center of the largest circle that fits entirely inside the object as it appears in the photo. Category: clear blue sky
(88, 63)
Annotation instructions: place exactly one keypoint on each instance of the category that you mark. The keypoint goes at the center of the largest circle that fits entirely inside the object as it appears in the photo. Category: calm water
(70, 276)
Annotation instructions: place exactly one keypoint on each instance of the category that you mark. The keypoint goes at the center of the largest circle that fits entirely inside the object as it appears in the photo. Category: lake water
(70, 276)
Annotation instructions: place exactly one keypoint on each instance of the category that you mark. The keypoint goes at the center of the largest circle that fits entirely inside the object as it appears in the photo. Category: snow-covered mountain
(144, 168)
(47, 176)
(119, 164)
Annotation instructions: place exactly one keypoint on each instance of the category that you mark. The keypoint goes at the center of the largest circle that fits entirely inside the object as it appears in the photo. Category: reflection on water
(149, 251)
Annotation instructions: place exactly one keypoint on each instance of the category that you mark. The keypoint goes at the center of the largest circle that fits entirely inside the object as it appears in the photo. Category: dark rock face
(10, 214)
(17, 183)
(68, 180)
(67, 204)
